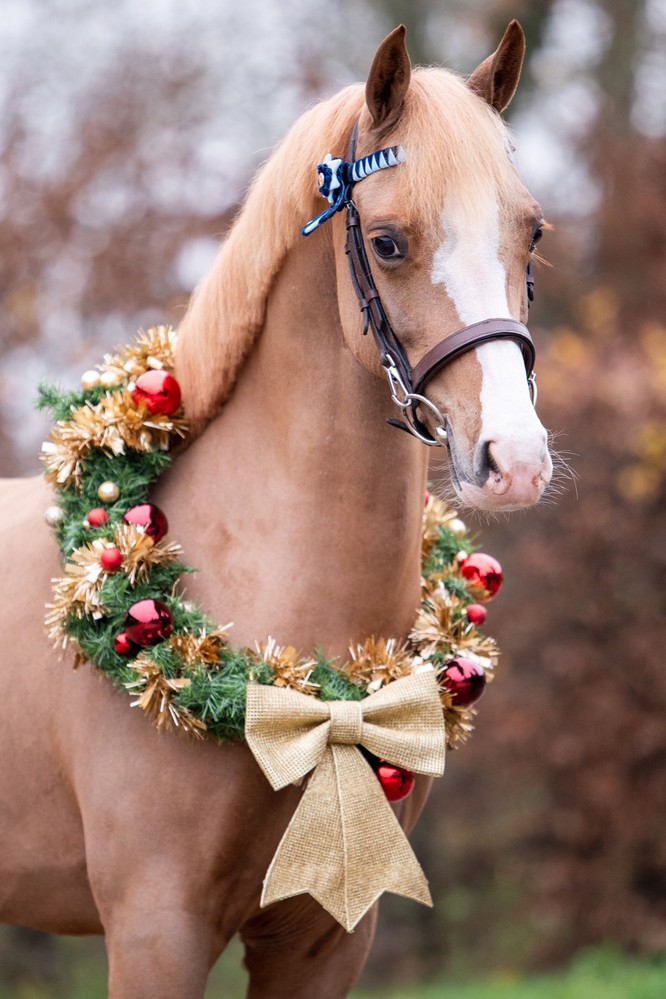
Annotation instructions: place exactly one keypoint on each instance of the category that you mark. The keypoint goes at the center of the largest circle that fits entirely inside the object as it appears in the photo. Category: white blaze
(468, 265)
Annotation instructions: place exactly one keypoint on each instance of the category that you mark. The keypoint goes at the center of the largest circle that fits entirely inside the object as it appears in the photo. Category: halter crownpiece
(337, 177)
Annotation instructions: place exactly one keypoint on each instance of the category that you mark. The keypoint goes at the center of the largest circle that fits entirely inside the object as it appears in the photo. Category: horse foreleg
(166, 952)
(295, 950)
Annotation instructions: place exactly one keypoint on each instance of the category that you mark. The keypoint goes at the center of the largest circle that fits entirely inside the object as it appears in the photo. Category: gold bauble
(109, 379)
(54, 515)
(108, 492)
(90, 379)
(458, 527)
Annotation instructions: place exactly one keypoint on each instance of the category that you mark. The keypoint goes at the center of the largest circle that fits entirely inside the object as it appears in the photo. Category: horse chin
(477, 498)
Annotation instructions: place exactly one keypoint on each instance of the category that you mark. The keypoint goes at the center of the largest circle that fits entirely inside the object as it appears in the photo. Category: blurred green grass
(602, 974)
(596, 974)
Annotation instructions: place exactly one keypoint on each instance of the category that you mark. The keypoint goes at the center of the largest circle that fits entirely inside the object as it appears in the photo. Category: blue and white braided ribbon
(377, 161)
(337, 177)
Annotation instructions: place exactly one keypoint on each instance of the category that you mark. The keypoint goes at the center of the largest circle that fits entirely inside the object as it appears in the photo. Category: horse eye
(536, 236)
(385, 247)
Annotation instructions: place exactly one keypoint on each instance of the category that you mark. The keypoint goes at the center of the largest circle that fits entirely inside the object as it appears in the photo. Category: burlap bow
(344, 845)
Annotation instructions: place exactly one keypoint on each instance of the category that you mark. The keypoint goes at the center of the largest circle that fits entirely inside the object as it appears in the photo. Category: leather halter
(407, 383)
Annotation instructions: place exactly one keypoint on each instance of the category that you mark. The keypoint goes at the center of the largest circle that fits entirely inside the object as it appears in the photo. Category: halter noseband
(336, 180)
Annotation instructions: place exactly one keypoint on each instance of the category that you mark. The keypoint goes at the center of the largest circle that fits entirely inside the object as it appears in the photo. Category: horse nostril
(485, 463)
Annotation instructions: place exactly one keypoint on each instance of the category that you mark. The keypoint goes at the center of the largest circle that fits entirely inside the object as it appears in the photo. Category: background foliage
(123, 153)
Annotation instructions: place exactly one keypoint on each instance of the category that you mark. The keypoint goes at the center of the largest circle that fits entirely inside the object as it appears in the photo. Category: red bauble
(111, 559)
(122, 644)
(148, 622)
(150, 517)
(485, 571)
(158, 391)
(396, 782)
(476, 613)
(464, 680)
(97, 517)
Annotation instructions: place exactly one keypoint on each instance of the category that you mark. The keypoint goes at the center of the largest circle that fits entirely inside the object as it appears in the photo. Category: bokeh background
(128, 134)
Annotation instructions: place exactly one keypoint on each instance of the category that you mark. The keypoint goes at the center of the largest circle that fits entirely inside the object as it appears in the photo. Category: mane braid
(452, 139)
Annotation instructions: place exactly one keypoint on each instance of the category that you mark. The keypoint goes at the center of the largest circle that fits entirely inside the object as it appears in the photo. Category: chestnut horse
(301, 508)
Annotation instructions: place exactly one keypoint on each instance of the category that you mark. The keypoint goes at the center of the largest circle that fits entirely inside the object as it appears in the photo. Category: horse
(302, 509)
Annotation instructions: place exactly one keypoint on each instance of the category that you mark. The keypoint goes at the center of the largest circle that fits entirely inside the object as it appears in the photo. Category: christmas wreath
(118, 604)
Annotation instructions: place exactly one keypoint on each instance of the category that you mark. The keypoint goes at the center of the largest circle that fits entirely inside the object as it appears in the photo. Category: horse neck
(300, 504)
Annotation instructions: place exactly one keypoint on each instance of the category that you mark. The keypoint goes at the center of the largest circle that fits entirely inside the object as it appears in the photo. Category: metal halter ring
(408, 401)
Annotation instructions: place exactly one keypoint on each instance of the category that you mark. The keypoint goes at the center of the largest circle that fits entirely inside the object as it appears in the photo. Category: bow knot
(346, 725)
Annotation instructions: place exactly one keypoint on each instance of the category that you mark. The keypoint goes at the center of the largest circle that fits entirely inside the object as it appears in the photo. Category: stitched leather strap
(469, 338)
(369, 299)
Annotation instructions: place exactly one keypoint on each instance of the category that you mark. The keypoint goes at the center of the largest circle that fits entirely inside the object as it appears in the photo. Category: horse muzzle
(508, 474)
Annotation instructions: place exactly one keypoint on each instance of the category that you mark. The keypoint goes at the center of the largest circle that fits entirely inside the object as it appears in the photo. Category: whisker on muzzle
(564, 475)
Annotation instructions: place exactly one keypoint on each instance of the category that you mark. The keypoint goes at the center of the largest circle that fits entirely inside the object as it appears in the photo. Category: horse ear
(388, 80)
(497, 77)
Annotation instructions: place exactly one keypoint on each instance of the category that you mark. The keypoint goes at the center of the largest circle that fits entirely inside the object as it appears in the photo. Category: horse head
(448, 236)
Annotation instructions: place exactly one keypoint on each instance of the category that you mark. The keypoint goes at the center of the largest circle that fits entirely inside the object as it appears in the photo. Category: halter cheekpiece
(337, 178)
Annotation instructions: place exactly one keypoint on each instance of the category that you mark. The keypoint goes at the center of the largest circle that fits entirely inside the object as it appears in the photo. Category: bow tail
(344, 846)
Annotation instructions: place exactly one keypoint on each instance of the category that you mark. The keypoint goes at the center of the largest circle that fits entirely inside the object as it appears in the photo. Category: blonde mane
(452, 138)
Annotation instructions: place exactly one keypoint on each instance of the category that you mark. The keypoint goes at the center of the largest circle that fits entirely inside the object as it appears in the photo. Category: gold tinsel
(153, 348)
(141, 430)
(156, 697)
(441, 629)
(288, 668)
(140, 552)
(112, 424)
(378, 661)
(91, 426)
(436, 514)
(459, 725)
(77, 592)
(200, 650)
(434, 628)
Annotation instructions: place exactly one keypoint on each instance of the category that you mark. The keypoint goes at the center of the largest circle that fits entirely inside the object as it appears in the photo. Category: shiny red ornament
(485, 571)
(150, 517)
(476, 613)
(148, 622)
(97, 517)
(396, 782)
(111, 559)
(465, 681)
(122, 644)
(158, 391)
